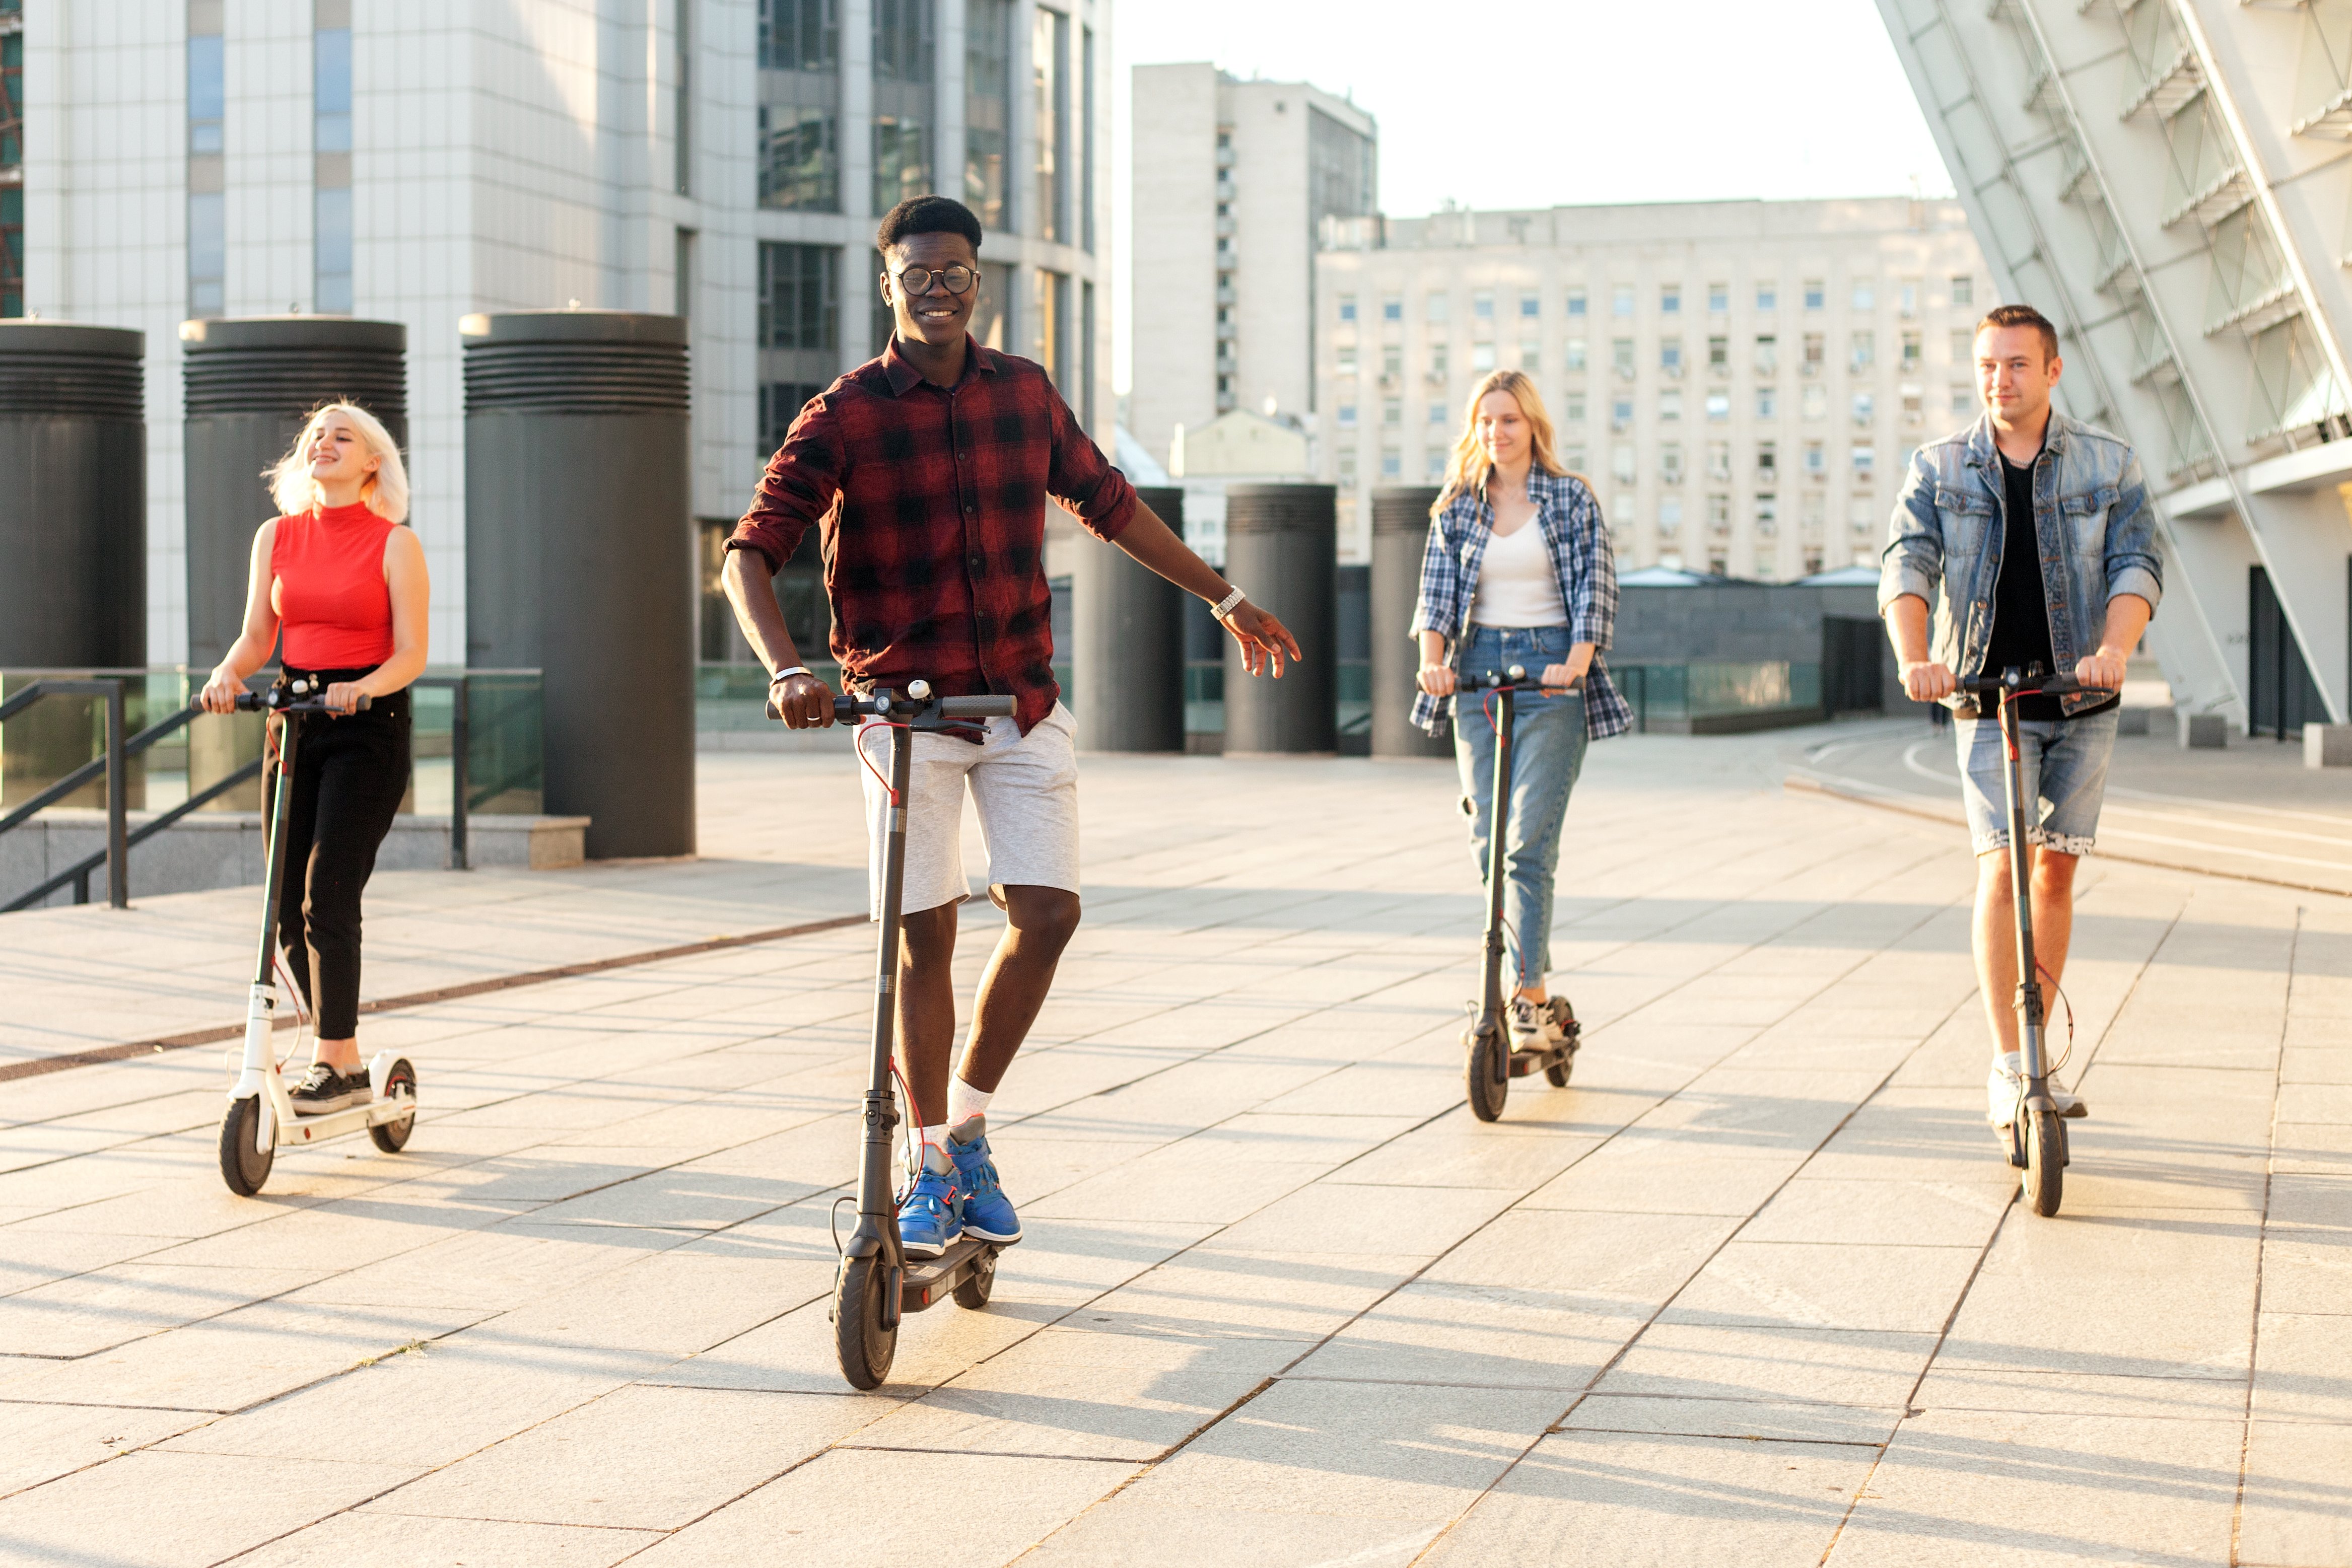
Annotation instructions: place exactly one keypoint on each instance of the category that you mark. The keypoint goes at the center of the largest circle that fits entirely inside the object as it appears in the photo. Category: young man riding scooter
(928, 470)
(2036, 529)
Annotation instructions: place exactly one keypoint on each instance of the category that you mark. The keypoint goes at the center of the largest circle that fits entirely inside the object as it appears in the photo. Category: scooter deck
(1527, 1063)
(930, 1281)
(351, 1119)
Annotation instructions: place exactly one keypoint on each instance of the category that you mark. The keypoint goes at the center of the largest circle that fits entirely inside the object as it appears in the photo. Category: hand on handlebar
(2102, 670)
(803, 702)
(1928, 681)
(220, 692)
(1567, 677)
(344, 696)
(1438, 680)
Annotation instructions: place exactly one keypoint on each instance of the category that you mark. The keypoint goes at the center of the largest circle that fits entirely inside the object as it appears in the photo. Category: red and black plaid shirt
(932, 500)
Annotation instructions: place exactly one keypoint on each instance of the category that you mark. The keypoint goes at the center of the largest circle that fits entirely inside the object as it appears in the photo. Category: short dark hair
(2025, 316)
(927, 215)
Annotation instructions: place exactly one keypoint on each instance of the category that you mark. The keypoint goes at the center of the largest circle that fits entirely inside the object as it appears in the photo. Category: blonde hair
(384, 492)
(1469, 468)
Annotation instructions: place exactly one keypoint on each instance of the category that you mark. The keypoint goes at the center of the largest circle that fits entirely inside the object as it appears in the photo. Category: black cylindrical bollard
(250, 383)
(579, 557)
(1400, 536)
(1128, 665)
(73, 497)
(1282, 547)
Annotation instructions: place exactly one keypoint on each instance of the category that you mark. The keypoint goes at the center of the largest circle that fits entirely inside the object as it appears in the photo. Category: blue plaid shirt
(1572, 531)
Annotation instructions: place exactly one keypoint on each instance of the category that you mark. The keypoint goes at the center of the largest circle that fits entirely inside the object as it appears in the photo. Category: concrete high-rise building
(2166, 180)
(724, 160)
(12, 158)
(1742, 382)
(1232, 183)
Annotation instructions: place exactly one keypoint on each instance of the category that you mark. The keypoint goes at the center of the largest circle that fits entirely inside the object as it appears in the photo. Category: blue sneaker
(987, 1212)
(931, 1216)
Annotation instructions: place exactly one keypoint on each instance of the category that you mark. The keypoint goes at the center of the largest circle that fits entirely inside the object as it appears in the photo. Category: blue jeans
(1548, 752)
(2063, 775)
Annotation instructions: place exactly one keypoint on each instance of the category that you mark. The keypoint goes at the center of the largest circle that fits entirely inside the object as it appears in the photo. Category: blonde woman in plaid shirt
(1519, 571)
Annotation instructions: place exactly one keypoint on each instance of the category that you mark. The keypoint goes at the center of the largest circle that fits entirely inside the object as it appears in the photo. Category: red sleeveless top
(332, 599)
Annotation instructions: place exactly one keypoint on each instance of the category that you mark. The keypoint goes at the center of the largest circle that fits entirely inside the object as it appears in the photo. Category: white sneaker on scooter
(2005, 1088)
(1538, 1026)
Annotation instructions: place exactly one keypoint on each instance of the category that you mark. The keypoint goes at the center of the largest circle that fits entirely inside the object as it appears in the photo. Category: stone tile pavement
(1753, 1290)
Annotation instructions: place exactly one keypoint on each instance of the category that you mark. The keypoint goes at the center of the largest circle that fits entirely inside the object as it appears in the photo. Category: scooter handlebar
(2028, 683)
(849, 708)
(1516, 678)
(259, 701)
(977, 707)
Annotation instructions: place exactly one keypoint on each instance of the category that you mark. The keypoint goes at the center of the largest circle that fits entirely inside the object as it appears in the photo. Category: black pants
(350, 774)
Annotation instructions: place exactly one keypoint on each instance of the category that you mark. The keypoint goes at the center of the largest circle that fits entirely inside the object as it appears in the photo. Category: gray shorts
(2063, 768)
(1025, 787)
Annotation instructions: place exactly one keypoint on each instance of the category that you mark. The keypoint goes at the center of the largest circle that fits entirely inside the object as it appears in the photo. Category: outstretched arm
(1265, 640)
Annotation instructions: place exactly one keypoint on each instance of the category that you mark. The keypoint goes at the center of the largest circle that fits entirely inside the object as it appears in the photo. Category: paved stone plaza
(1753, 1291)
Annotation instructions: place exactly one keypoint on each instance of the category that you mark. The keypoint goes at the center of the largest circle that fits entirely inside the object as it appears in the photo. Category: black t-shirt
(2021, 610)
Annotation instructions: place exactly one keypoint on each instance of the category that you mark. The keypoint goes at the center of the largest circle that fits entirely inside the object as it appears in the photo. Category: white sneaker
(1536, 1027)
(2005, 1087)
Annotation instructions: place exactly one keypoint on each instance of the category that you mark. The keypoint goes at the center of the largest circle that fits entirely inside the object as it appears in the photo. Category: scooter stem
(1498, 833)
(261, 998)
(877, 1213)
(2021, 888)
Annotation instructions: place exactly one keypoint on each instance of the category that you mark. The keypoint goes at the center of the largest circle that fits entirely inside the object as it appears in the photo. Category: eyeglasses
(958, 278)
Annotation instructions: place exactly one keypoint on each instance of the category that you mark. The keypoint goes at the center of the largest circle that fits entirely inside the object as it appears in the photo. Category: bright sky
(1525, 104)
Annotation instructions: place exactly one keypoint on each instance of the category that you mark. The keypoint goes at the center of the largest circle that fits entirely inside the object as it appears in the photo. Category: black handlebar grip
(977, 707)
(249, 702)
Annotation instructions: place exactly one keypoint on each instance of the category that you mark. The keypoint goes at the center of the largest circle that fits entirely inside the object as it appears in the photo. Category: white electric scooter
(261, 1119)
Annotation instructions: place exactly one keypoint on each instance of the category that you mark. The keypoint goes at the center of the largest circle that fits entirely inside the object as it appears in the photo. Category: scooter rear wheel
(865, 1346)
(2045, 1164)
(243, 1167)
(973, 1289)
(393, 1137)
(1557, 1074)
(1484, 1073)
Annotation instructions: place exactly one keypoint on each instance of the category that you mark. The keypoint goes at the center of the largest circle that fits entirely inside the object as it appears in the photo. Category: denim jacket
(1579, 544)
(2091, 514)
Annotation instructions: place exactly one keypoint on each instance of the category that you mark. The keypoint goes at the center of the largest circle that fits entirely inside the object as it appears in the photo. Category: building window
(904, 50)
(1964, 290)
(1768, 514)
(1573, 409)
(1482, 305)
(1621, 413)
(987, 107)
(1670, 355)
(1963, 401)
(1670, 516)
(1576, 303)
(1347, 467)
(1964, 346)
(1087, 144)
(1906, 298)
(1531, 356)
(1346, 308)
(1816, 352)
(12, 166)
(1392, 462)
(1862, 407)
(1719, 513)
(799, 153)
(1865, 294)
(1622, 465)
(1049, 51)
(1392, 412)
(1817, 294)
(1436, 306)
(1438, 368)
(1719, 460)
(1817, 461)
(1768, 299)
(1914, 406)
(1620, 301)
(1768, 460)
(1911, 351)
(1392, 307)
(799, 345)
(1482, 358)
(12, 250)
(1530, 307)
(1718, 408)
(1718, 298)
(1434, 463)
(1670, 404)
(1576, 353)
(1437, 414)
(1670, 463)
(331, 144)
(1056, 339)
(1343, 363)
(207, 108)
(1571, 456)
(1816, 404)
(1391, 363)
(1718, 356)
(1767, 402)
(1866, 462)
(1670, 299)
(1768, 355)
(1866, 350)
(1346, 416)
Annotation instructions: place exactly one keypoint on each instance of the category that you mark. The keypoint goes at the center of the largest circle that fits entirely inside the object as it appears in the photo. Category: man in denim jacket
(2022, 488)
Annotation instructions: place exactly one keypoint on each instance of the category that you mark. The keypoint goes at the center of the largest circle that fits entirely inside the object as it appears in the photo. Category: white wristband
(788, 675)
(1225, 606)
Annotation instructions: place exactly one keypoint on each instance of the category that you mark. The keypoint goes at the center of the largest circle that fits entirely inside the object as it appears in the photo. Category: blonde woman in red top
(345, 582)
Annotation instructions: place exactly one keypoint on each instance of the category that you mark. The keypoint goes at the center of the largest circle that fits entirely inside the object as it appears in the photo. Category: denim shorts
(2063, 774)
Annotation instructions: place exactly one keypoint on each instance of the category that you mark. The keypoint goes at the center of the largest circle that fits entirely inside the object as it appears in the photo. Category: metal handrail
(78, 873)
(115, 765)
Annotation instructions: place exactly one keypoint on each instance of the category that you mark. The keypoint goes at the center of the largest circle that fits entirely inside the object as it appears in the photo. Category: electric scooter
(261, 1118)
(1491, 1063)
(878, 1284)
(2035, 1140)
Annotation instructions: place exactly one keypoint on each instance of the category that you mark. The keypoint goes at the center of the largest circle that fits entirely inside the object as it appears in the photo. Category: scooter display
(878, 1284)
(1490, 1063)
(2035, 1139)
(262, 1119)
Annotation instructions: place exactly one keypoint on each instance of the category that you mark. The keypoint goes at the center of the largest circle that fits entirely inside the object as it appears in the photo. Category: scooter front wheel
(2045, 1163)
(1486, 1071)
(393, 1137)
(865, 1346)
(242, 1166)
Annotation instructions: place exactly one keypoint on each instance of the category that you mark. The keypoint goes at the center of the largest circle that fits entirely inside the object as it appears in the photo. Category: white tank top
(1517, 584)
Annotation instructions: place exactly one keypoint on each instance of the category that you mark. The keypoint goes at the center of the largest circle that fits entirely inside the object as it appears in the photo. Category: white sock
(936, 1137)
(964, 1102)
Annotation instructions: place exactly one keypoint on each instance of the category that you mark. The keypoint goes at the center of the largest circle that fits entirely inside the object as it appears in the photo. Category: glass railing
(505, 772)
(1703, 694)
